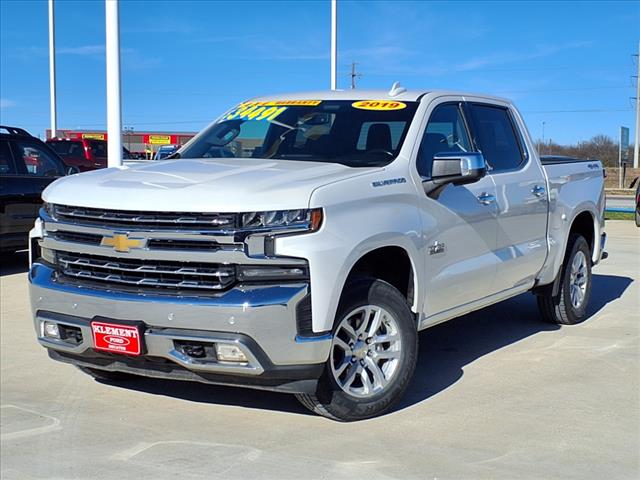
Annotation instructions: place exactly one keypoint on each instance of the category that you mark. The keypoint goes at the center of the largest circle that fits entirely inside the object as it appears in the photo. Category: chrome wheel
(578, 279)
(365, 351)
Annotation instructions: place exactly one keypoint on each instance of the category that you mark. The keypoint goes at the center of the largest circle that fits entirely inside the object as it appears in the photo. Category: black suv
(27, 166)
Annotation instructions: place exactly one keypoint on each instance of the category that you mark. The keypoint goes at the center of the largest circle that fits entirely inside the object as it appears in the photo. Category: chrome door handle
(486, 198)
(538, 190)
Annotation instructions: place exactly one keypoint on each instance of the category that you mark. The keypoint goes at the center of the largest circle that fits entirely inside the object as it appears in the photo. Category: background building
(138, 143)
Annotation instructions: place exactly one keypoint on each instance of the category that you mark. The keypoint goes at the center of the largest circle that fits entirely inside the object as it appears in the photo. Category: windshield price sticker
(286, 103)
(254, 112)
(266, 110)
(378, 105)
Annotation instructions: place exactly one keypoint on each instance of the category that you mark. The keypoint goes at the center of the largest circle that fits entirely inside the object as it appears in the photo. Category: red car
(85, 154)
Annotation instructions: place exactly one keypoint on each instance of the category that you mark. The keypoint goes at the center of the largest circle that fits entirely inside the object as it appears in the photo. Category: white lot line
(245, 454)
(54, 425)
(251, 455)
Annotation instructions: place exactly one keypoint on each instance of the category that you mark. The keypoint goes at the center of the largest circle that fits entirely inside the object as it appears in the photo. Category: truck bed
(560, 159)
(571, 184)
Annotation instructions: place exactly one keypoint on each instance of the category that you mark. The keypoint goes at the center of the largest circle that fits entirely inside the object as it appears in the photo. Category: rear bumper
(260, 321)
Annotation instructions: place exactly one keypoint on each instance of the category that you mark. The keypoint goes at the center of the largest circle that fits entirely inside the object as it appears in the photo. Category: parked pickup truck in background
(84, 154)
(345, 223)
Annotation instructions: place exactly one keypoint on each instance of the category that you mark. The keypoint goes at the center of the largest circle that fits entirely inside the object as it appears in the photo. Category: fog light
(230, 353)
(51, 329)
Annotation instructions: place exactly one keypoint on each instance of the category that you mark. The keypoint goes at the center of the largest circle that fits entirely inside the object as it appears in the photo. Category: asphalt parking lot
(497, 394)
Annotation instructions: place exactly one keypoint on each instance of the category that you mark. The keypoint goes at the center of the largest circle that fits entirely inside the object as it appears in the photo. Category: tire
(107, 375)
(364, 376)
(562, 308)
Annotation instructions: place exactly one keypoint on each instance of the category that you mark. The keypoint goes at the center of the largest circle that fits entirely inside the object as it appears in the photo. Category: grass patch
(619, 216)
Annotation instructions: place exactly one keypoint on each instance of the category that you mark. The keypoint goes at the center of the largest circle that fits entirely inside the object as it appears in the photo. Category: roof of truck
(380, 94)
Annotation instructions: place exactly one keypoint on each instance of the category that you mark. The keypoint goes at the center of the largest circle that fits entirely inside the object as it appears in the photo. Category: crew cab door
(12, 200)
(521, 194)
(36, 167)
(458, 223)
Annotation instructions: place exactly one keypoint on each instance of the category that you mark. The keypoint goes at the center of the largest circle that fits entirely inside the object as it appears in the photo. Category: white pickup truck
(337, 226)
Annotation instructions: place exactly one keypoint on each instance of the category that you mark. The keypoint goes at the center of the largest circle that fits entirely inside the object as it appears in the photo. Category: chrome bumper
(261, 321)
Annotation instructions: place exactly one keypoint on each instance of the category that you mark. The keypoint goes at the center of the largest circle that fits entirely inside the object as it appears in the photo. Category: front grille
(144, 275)
(153, 244)
(147, 220)
(78, 237)
(193, 245)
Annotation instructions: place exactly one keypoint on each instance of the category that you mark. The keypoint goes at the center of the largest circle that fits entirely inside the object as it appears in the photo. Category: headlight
(48, 255)
(49, 209)
(254, 273)
(283, 218)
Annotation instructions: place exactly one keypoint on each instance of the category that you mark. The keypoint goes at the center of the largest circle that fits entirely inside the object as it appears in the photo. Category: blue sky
(183, 63)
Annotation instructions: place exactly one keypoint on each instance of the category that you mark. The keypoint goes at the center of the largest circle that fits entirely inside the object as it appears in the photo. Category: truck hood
(203, 185)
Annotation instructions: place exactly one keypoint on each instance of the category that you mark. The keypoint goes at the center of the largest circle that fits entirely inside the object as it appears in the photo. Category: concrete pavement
(498, 394)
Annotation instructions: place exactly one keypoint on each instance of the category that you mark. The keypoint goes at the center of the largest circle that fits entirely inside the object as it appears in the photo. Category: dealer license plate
(115, 338)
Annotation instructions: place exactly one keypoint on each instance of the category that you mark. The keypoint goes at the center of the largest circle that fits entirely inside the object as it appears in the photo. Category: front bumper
(260, 320)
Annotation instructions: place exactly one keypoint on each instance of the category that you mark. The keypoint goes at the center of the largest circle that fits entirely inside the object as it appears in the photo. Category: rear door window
(496, 137)
(33, 159)
(98, 148)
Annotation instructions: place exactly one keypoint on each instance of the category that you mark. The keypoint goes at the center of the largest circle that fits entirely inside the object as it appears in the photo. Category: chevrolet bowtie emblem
(121, 242)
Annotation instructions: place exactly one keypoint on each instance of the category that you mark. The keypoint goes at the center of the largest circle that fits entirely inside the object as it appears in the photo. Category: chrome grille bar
(146, 273)
(123, 219)
(221, 272)
(151, 282)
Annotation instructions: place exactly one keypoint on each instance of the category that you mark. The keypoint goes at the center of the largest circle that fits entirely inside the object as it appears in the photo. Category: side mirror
(457, 168)
(72, 170)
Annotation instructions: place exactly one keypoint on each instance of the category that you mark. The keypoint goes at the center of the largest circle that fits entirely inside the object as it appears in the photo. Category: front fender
(358, 218)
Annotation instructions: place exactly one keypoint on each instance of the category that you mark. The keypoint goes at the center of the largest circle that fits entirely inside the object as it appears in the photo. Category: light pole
(334, 44)
(52, 71)
(636, 147)
(543, 144)
(114, 115)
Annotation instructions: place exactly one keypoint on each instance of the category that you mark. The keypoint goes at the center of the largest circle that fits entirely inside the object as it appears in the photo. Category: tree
(600, 147)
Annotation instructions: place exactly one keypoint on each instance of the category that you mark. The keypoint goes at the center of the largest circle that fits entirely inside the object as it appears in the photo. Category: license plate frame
(119, 337)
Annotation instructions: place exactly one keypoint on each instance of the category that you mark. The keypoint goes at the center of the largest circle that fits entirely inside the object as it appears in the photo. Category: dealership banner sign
(160, 139)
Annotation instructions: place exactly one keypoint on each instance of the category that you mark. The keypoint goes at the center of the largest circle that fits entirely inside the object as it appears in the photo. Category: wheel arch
(584, 222)
(393, 263)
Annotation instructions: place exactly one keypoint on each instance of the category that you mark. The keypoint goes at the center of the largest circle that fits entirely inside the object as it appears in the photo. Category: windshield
(353, 133)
